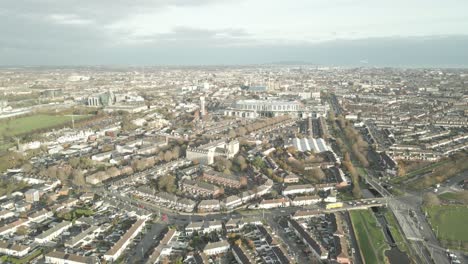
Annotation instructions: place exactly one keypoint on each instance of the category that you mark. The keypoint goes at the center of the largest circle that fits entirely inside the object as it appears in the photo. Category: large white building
(316, 145)
(255, 108)
(205, 154)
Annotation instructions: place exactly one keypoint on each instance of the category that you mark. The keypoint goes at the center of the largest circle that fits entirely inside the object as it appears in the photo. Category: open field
(369, 235)
(27, 124)
(449, 224)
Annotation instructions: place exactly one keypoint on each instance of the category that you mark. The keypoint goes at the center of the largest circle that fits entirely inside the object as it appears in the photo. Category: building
(104, 99)
(298, 189)
(12, 227)
(32, 195)
(306, 200)
(202, 106)
(274, 203)
(40, 216)
(314, 246)
(317, 145)
(15, 250)
(241, 255)
(209, 206)
(216, 248)
(232, 201)
(53, 232)
(200, 188)
(222, 179)
(205, 154)
(81, 237)
(269, 108)
(212, 226)
(115, 251)
(164, 248)
(58, 257)
(291, 178)
(194, 227)
(5, 214)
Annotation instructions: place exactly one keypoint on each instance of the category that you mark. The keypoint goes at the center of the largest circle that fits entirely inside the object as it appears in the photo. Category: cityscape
(234, 165)
(216, 132)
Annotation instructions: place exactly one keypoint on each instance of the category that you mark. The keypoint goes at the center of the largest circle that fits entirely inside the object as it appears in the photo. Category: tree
(241, 131)
(241, 162)
(167, 183)
(27, 167)
(113, 172)
(168, 156)
(316, 174)
(357, 193)
(74, 162)
(401, 169)
(52, 172)
(232, 133)
(22, 230)
(243, 181)
(176, 152)
(430, 199)
(78, 178)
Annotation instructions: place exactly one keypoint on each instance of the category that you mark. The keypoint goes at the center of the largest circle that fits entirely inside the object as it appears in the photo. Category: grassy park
(449, 224)
(369, 235)
(28, 124)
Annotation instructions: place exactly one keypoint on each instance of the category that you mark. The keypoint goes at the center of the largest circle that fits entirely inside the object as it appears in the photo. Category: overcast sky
(154, 32)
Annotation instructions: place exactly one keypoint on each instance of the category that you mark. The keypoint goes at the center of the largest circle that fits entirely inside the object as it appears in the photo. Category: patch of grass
(449, 196)
(24, 260)
(457, 197)
(449, 224)
(369, 235)
(28, 124)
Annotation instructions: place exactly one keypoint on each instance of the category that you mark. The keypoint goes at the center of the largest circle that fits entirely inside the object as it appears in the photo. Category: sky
(415, 33)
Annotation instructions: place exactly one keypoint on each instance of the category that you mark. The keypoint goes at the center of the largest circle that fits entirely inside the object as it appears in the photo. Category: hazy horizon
(207, 32)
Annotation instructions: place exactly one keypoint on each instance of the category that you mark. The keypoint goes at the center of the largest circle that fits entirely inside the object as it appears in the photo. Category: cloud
(69, 19)
(212, 31)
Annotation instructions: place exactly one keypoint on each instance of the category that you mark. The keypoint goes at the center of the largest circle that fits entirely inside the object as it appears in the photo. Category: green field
(369, 235)
(27, 124)
(449, 224)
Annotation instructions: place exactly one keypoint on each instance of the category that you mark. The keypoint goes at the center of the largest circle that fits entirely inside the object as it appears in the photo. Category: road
(137, 255)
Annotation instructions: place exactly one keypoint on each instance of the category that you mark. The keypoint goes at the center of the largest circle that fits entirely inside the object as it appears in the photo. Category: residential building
(12, 249)
(59, 257)
(53, 232)
(216, 248)
(209, 205)
(298, 189)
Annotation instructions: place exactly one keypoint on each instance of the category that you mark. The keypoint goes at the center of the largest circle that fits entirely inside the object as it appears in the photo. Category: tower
(202, 106)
